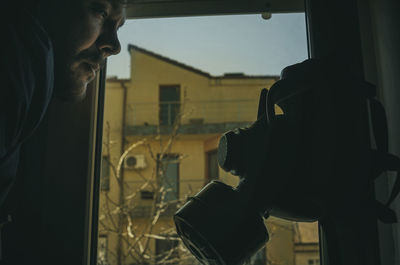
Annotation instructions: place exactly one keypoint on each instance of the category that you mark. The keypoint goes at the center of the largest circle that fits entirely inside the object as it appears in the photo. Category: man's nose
(108, 43)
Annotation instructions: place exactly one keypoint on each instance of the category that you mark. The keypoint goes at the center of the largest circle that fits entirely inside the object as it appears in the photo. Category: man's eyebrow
(116, 3)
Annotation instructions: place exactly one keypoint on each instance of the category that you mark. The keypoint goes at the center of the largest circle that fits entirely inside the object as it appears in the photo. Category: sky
(245, 44)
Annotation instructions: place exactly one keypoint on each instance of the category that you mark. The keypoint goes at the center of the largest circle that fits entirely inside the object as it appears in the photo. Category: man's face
(84, 33)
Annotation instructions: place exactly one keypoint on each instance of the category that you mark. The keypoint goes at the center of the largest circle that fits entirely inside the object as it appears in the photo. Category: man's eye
(103, 13)
(100, 10)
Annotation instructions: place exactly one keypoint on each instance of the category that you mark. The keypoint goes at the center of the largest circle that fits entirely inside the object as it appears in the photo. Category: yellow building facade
(161, 132)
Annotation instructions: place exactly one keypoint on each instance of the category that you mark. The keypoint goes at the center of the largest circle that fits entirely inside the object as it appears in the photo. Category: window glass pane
(167, 251)
(212, 165)
(185, 82)
(168, 174)
(169, 103)
(102, 251)
(259, 258)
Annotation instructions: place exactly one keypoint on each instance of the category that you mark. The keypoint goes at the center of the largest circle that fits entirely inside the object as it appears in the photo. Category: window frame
(172, 113)
(326, 34)
(313, 45)
(93, 230)
(101, 103)
(171, 156)
(171, 242)
(208, 169)
(88, 206)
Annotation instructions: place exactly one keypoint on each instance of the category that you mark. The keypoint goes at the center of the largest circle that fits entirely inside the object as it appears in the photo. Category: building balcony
(145, 211)
(192, 117)
(143, 208)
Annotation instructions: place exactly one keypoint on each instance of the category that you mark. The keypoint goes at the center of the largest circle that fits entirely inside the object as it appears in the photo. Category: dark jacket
(26, 87)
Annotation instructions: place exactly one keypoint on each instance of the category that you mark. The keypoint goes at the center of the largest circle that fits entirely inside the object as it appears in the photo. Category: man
(51, 48)
(84, 33)
(78, 34)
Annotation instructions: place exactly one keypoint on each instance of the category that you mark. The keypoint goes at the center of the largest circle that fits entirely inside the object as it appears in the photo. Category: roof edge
(195, 70)
(168, 60)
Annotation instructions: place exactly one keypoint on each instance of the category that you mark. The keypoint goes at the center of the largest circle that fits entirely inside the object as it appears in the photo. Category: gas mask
(279, 160)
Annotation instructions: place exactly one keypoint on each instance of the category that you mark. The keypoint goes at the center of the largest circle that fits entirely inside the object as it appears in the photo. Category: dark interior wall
(51, 201)
(334, 34)
(385, 27)
(67, 181)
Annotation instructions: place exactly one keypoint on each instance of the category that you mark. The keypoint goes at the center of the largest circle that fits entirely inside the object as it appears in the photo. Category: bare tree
(134, 241)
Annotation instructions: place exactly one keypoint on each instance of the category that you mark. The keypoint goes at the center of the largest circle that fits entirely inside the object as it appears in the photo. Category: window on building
(169, 103)
(168, 174)
(146, 195)
(105, 174)
(212, 165)
(260, 258)
(102, 250)
(167, 251)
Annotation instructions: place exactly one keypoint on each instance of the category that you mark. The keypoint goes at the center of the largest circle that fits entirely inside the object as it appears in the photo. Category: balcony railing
(194, 112)
(209, 116)
(143, 208)
(144, 211)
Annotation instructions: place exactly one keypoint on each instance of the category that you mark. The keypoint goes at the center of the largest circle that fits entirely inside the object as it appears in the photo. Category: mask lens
(217, 228)
(197, 245)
